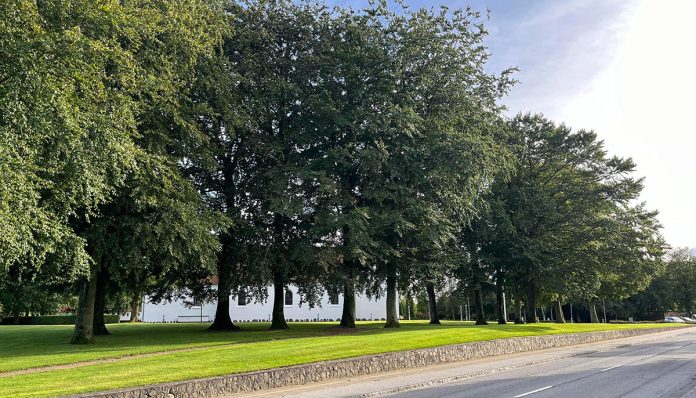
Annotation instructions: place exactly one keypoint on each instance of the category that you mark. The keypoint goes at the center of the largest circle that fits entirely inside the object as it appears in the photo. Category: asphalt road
(655, 365)
(664, 368)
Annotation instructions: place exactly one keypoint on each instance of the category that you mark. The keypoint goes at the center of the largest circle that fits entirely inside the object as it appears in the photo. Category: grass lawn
(255, 348)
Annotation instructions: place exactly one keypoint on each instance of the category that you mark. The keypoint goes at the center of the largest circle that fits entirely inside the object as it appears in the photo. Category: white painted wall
(177, 311)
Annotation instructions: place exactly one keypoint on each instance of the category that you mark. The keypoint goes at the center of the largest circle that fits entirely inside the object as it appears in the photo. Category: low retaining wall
(315, 372)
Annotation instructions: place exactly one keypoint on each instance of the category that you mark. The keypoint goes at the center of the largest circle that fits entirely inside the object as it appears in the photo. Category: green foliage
(64, 135)
(563, 225)
(81, 84)
(154, 144)
(21, 295)
(680, 271)
(673, 288)
(410, 143)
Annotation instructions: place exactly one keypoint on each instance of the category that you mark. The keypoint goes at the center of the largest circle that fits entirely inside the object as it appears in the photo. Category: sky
(623, 69)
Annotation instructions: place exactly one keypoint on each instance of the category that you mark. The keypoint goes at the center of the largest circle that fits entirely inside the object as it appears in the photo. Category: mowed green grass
(255, 348)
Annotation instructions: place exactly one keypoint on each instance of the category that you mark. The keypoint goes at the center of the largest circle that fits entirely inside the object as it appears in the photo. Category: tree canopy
(147, 147)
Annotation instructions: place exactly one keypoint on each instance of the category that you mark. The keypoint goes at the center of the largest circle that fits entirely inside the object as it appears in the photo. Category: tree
(345, 159)
(426, 108)
(25, 292)
(681, 271)
(555, 207)
(260, 95)
(487, 244)
(66, 136)
(671, 289)
(626, 255)
(223, 181)
(155, 237)
(142, 39)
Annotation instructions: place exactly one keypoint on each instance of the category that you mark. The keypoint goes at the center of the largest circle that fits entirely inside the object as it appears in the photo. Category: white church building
(330, 308)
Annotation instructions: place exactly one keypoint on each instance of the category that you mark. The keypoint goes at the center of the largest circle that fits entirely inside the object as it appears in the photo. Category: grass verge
(217, 354)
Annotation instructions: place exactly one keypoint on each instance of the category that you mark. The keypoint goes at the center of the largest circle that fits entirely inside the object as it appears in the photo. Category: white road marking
(532, 392)
(613, 367)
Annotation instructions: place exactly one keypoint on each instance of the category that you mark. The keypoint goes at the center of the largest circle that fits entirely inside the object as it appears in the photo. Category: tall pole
(504, 308)
(409, 312)
(451, 296)
(571, 314)
(604, 307)
(468, 310)
(461, 313)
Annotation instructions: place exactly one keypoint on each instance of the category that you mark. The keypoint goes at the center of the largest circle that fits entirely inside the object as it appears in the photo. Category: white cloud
(559, 48)
(560, 10)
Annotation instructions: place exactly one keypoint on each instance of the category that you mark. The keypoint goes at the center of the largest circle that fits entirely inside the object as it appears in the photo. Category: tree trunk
(278, 318)
(593, 313)
(560, 318)
(348, 316)
(392, 309)
(518, 305)
(135, 306)
(222, 321)
(84, 319)
(478, 303)
(499, 298)
(531, 303)
(432, 302)
(16, 318)
(576, 315)
(99, 325)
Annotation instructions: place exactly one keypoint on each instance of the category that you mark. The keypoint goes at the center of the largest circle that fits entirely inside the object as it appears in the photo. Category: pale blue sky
(545, 39)
(621, 68)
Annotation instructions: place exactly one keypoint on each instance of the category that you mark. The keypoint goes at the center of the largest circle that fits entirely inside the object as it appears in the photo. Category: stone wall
(315, 372)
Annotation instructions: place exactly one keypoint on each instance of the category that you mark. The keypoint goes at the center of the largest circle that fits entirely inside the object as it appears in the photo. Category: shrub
(68, 319)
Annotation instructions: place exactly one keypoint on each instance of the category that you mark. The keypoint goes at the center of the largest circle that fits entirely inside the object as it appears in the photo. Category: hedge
(54, 320)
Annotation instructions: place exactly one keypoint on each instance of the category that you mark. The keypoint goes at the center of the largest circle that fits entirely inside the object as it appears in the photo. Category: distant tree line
(147, 146)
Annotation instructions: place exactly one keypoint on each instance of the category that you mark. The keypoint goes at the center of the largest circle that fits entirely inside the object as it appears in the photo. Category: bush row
(54, 319)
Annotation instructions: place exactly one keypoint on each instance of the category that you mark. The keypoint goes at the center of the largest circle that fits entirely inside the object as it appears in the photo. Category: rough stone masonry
(320, 371)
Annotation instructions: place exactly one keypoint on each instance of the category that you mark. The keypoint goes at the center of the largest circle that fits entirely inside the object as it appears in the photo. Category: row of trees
(672, 289)
(147, 147)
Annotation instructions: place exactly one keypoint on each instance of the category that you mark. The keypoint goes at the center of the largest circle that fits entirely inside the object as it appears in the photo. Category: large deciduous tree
(436, 136)
(67, 127)
(261, 94)
(85, 91)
